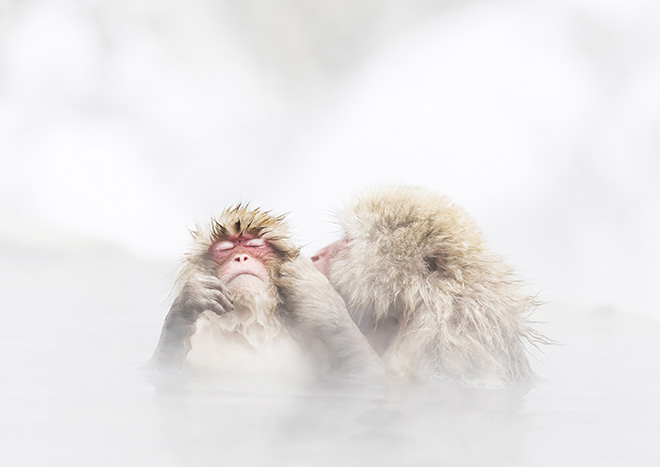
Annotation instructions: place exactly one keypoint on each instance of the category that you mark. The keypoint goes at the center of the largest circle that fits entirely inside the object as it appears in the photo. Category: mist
(123, 124)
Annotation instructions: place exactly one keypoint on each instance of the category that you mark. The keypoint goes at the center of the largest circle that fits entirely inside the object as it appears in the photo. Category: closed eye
(226, 245)
(256, 242)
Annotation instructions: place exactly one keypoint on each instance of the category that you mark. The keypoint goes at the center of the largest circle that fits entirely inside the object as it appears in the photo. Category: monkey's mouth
(243, 274)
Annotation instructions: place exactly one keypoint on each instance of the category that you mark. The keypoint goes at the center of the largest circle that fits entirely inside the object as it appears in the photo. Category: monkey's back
(415, 256)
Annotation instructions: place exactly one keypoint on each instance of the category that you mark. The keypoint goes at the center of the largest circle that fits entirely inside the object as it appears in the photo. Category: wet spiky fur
(240, 220)
(416, 258)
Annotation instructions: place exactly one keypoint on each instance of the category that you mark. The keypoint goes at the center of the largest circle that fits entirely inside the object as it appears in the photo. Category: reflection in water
(270, 422)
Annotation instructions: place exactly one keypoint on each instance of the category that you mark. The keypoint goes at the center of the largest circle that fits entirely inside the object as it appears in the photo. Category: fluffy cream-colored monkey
(431, 298)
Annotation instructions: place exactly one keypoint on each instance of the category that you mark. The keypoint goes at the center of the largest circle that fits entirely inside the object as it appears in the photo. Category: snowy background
(123, 123)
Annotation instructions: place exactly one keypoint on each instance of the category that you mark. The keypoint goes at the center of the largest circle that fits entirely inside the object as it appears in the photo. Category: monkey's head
(401, 246)
(243, 247)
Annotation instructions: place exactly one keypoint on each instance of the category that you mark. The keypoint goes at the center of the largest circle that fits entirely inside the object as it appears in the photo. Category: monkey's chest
(232, 346)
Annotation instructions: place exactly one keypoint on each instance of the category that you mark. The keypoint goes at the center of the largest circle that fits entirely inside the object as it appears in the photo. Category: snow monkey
(430, 297)
(249, 302)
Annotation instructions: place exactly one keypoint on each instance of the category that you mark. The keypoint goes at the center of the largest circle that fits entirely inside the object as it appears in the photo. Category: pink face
(324, 257)
(242, 258)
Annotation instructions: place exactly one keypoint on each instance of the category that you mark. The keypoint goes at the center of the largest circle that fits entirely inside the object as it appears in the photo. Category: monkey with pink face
(248, 302)
(426, 291)
(412, 269)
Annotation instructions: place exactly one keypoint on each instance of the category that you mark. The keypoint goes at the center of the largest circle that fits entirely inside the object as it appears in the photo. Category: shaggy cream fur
(418, 275)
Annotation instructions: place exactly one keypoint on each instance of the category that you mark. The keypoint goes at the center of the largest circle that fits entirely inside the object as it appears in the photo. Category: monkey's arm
(200, 293)
(320, 311)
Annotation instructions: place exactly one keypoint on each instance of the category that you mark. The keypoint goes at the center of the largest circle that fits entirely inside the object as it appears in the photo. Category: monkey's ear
(434, 262)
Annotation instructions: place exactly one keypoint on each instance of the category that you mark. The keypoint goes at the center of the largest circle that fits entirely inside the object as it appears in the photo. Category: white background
(123, 123)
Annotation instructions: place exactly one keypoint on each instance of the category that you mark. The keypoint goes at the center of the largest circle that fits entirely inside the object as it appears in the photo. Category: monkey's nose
(241, 258)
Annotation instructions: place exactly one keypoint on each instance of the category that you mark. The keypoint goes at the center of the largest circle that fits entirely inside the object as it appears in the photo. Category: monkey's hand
(308, 294)
(199, 293)
(321, 312)
(202, 292)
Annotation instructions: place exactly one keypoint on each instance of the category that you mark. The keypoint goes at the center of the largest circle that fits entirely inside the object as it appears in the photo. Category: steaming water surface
(77, 328)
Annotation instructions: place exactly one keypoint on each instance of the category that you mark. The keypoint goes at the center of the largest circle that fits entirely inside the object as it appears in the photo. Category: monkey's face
(244, 247)
(323, 258)
(243, 262)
